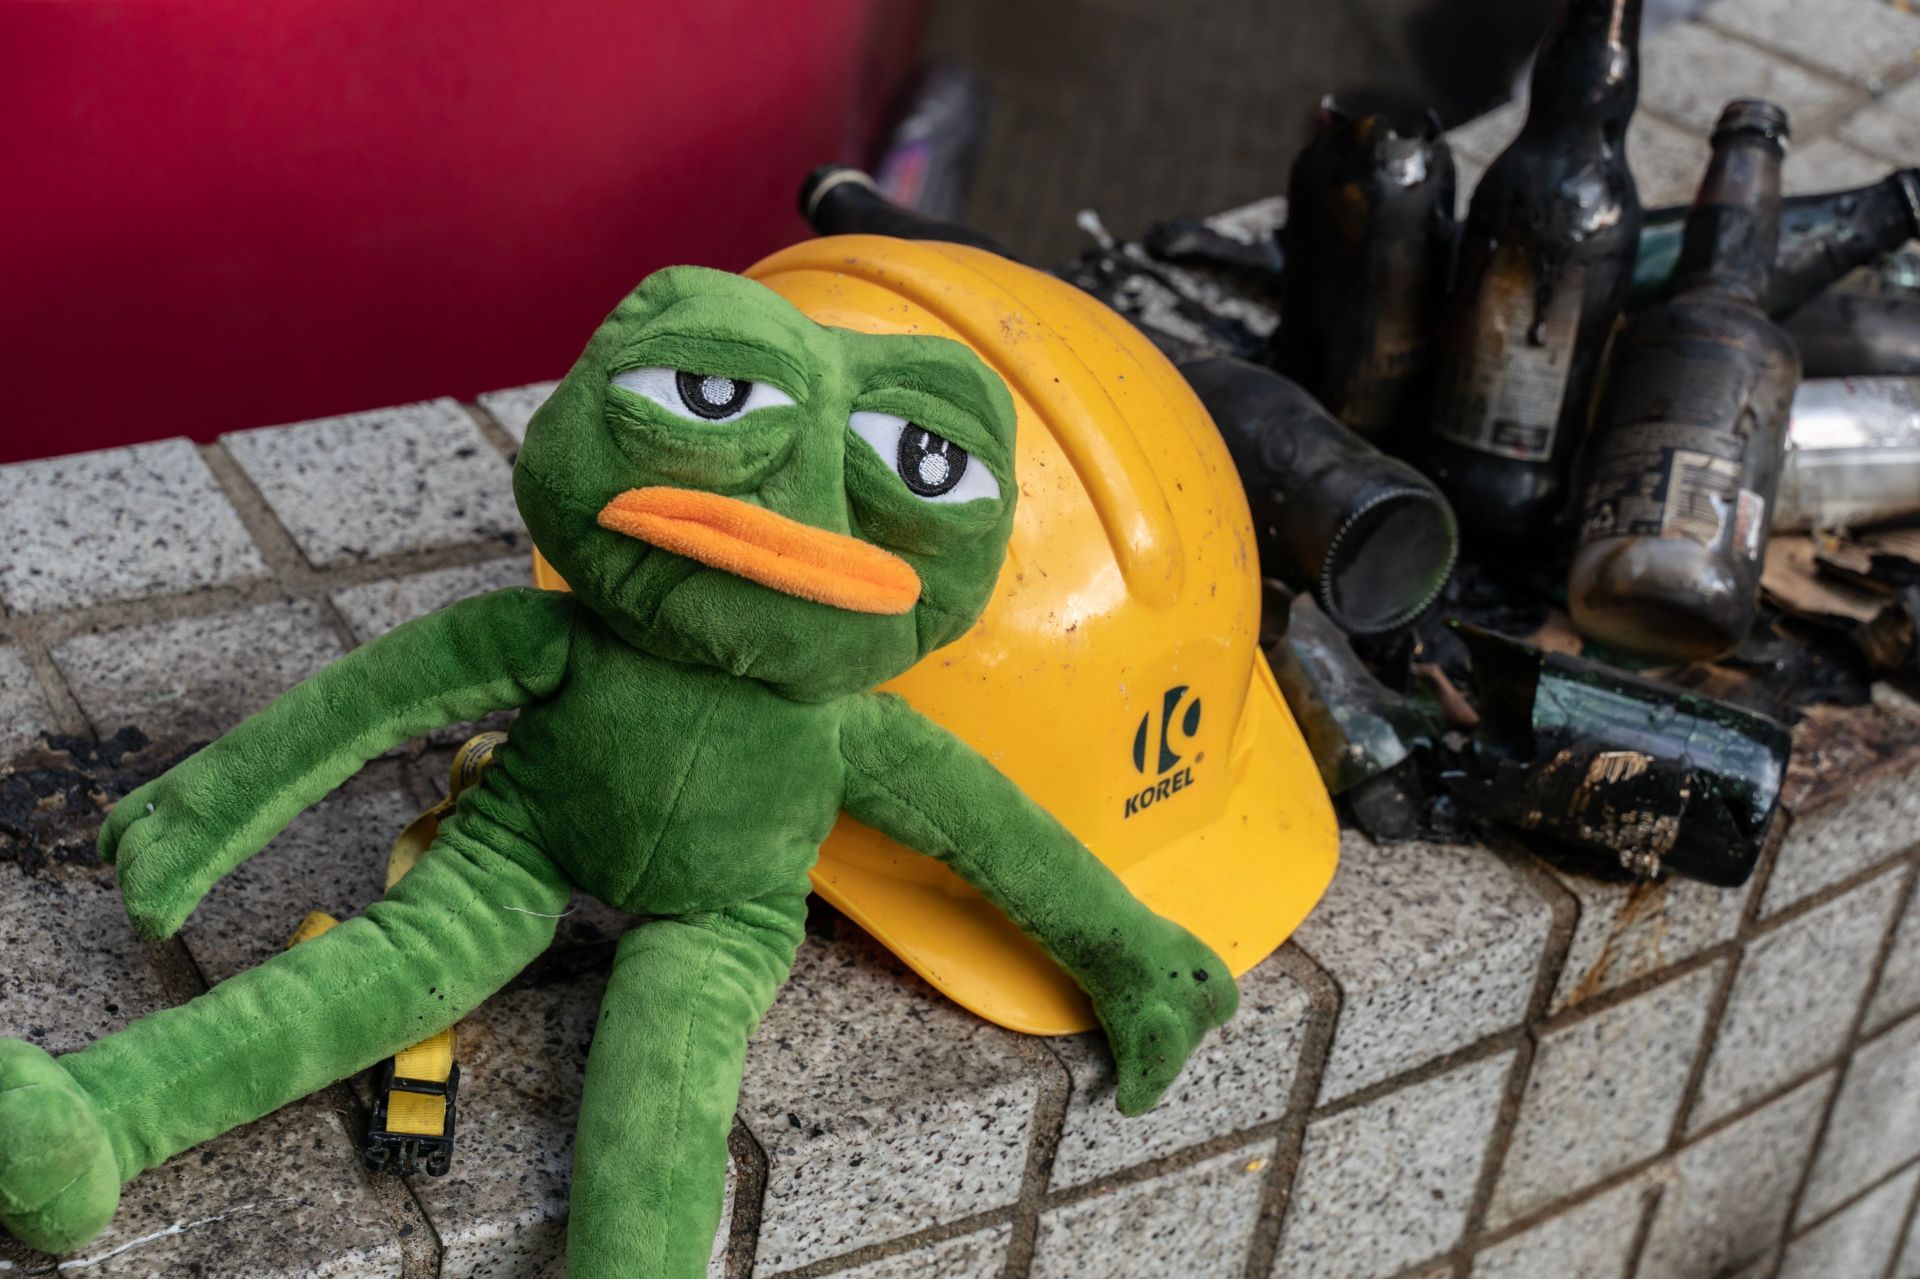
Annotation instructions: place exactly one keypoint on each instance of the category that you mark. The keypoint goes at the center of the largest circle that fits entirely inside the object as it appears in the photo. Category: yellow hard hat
(1116, 673)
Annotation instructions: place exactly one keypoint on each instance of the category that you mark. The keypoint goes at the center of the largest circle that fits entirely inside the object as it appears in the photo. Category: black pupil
(712, 396)
(930, 464)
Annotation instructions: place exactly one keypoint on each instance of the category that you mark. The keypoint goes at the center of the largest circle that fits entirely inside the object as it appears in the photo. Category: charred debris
(1568, 510)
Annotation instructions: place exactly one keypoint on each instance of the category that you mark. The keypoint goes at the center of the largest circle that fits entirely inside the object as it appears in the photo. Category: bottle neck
(1587, 72)
(1733, 231)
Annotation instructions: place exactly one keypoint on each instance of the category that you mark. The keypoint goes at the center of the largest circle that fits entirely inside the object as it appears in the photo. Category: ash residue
(53, 798)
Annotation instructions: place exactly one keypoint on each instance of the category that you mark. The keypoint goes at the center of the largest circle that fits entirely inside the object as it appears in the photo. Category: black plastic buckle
(398, 1152)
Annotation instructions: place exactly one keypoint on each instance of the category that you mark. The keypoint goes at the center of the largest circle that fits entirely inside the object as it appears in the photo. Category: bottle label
(1676, 465)
(1502, 390)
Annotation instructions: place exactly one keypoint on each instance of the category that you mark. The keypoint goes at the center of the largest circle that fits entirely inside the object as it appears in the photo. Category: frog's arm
(173, 837)
(1155, 987)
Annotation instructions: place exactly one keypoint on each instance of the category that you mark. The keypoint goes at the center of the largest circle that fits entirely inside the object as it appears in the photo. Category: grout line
(1650, 1202)
(1493, 1161)
(1903, 1234)
(1709, 1039)
(1048, 1127)
(1491, 1046)
(750, 1181)
(886, 1249)
(1566, 916)
(1324, 1001)
(1852, 1042)
(496, 434)
(1854, 1198)
(69, 717)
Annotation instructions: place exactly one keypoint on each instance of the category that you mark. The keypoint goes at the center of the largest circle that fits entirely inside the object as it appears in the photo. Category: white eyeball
(707, 397)
(933, 468)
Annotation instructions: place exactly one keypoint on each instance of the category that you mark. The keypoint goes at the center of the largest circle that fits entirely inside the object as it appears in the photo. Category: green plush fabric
(686, 739)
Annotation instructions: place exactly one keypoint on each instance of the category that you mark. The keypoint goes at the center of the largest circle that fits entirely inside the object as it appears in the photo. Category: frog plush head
(727, 483)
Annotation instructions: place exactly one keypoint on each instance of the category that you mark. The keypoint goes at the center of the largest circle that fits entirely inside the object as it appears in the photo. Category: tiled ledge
(1466, 1064)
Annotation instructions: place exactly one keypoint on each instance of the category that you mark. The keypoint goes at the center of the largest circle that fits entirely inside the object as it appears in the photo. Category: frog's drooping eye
(931, 466)
(710, 397)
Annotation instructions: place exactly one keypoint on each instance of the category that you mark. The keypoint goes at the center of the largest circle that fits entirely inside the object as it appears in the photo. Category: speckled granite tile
(1486, 136)
(1667, 162)
(1828, 164)
(1863, 807)
(281, 1198)
(882, 1108)
(1908, 1267)
(1242, 1075)
(1688, 72)
(192, 679)
(501, 1213)
(1899, 990)
(377, 607)
(1625, 931)
(1196, 1221)
(1794, 998)
(333, 857)
(1886, 127)
(1858, 40)
(73, 969)
(1591, 1241)
(358, 487)
(25, 715)
(1467, 171)
(514, 407)
(1858, 1240)
(1875, 1126)
(980, 1255)
(1851, 799)
(119, 524)
(1387, 1184)
(1603, 1093)
(1727, 1195)
(1434, 946)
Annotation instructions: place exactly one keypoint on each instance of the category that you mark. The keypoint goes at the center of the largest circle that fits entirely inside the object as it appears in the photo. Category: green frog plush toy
(762, 519)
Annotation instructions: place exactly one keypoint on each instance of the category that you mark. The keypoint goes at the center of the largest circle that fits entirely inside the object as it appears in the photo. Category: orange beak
(757, 544)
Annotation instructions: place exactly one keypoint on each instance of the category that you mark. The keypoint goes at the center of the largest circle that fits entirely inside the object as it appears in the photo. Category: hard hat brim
(1243, 883)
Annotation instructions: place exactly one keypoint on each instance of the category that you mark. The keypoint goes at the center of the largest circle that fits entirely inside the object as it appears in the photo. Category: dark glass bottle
(1822, 238)
(1366, 533)
(1545, 259)
(1685, 457)
(838, 200)
(1647, 776)
(1368, 240)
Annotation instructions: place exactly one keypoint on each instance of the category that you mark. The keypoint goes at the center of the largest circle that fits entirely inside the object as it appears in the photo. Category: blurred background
(229, 214)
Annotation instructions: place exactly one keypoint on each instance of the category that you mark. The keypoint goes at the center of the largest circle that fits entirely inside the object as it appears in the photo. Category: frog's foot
(58, 1180)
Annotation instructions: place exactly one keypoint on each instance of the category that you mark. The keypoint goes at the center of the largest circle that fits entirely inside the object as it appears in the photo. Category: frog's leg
(663, 1079)
(457, 928)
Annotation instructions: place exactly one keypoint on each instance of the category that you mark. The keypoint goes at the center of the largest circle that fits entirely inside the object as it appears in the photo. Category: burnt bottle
(1846, 334)
(838, 200)
(1368, 535)
(1546, 256)
(1685, 456)
(1368, 241)
(1645, 776)
(1822, 238)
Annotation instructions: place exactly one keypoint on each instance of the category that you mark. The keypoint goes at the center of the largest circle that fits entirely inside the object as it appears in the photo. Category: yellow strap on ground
(316, 922)
(421, 1113)
(468, 763)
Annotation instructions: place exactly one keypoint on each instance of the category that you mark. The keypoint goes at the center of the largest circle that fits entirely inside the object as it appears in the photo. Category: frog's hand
(175, 836)
(1156, 988)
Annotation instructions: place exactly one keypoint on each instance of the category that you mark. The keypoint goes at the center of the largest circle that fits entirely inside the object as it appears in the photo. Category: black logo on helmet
(1160, 743)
